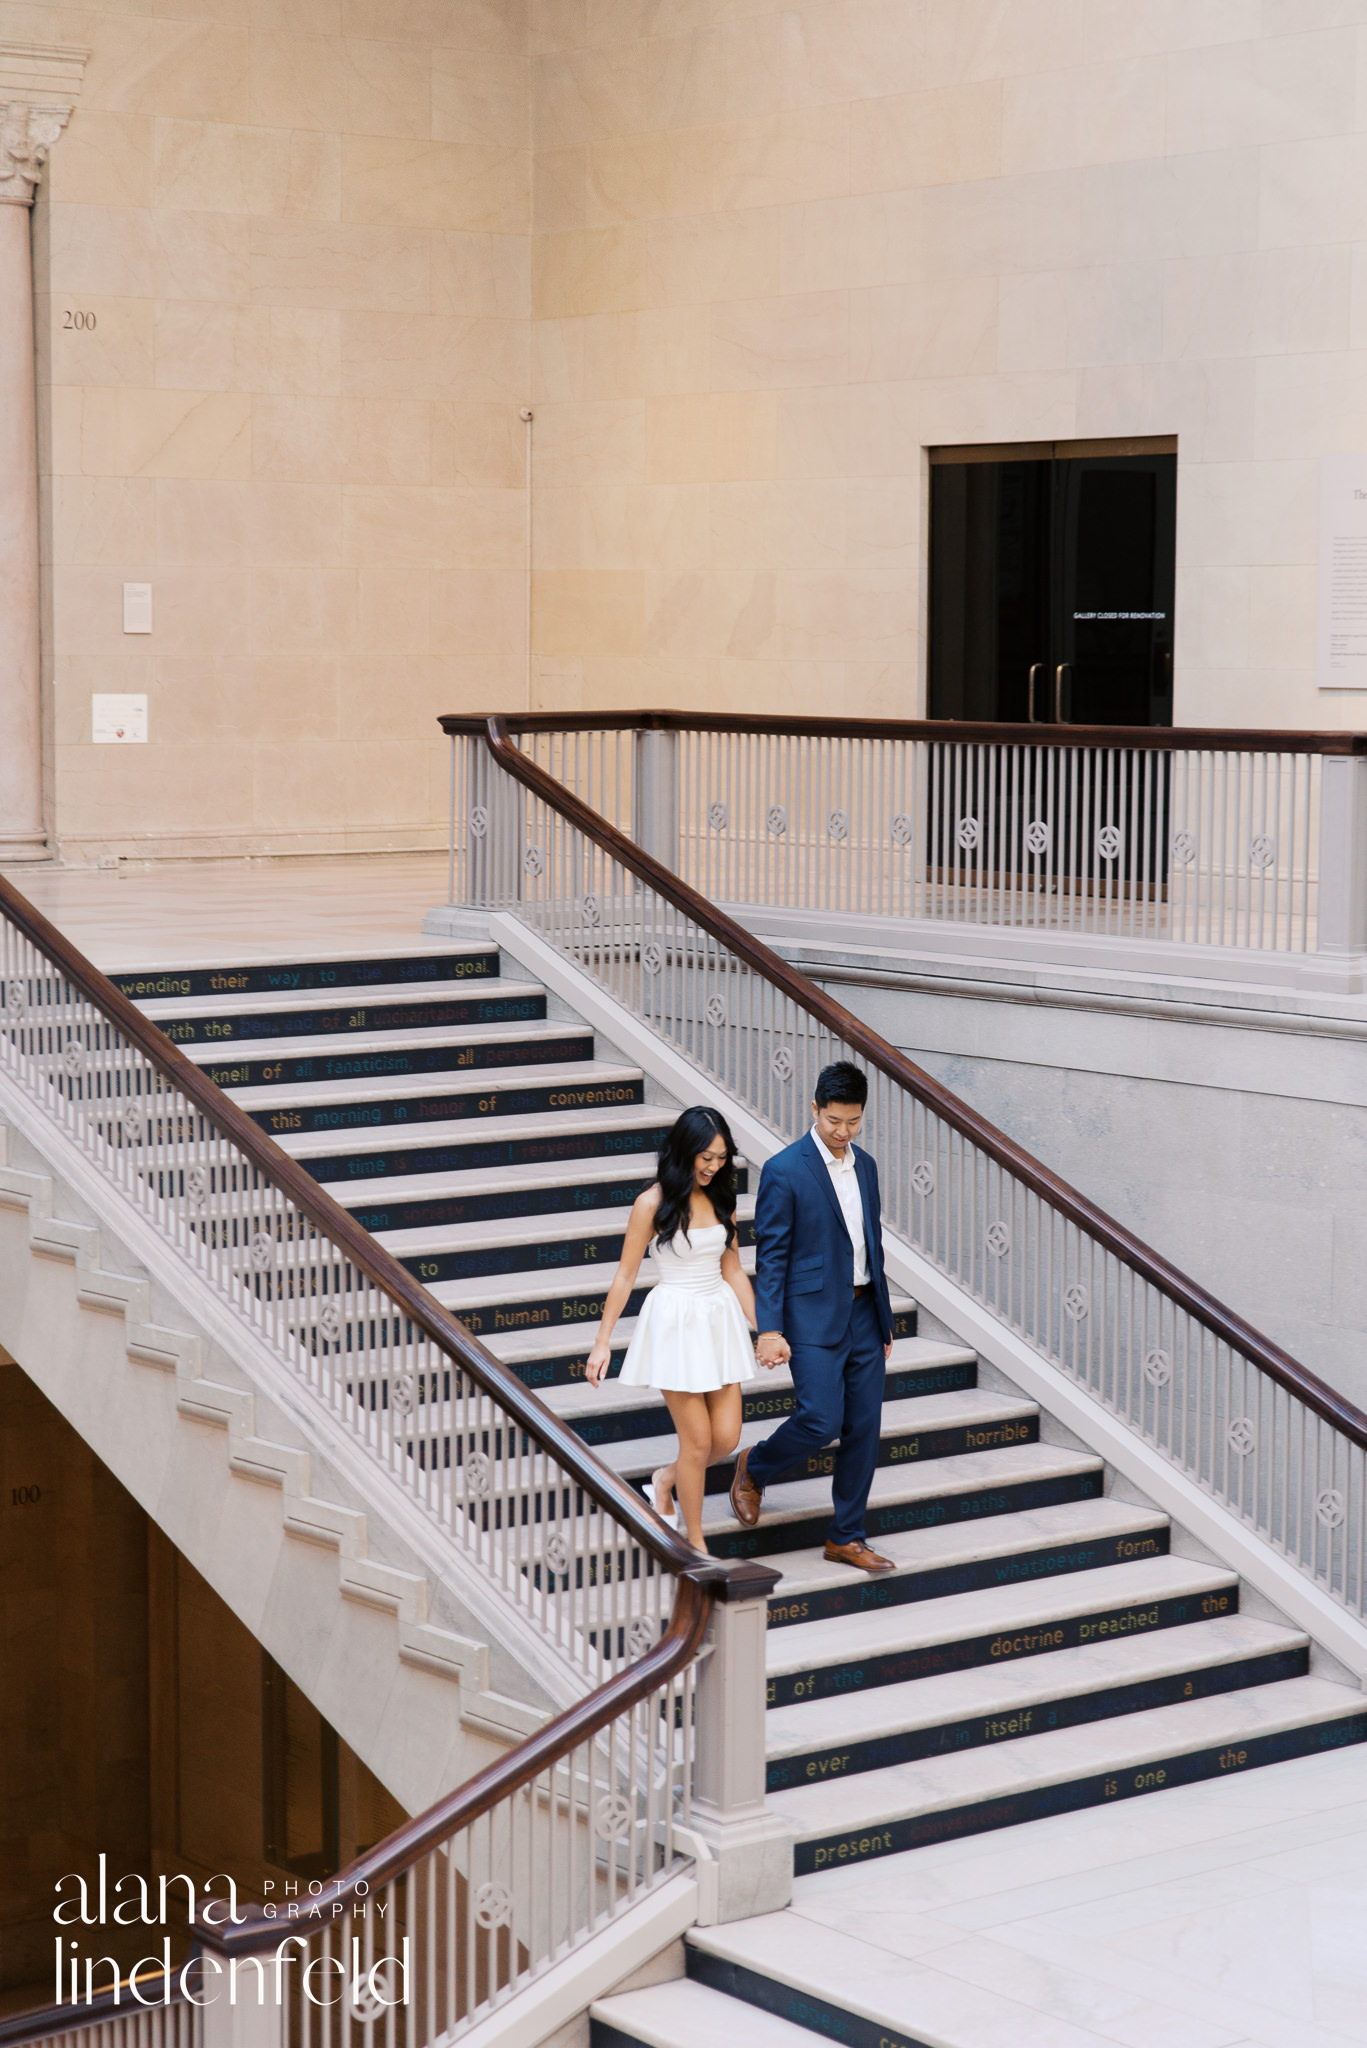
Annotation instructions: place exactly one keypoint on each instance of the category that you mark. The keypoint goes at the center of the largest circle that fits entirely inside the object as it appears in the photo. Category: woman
(692, 1336)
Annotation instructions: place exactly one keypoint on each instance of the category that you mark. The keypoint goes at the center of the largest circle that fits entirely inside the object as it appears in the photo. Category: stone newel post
(26, 135)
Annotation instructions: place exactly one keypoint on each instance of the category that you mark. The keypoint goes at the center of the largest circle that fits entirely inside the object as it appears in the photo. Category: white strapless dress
(691, 1335)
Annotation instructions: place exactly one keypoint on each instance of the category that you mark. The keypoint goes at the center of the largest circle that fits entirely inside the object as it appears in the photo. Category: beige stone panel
(1259, 302)
(104, 160)
(883, 689)
(393, 610)
(254, 348)
(558, 359)
(90, 649)
(199, 608)
(712, 256)
(451, 528)
(983, 39)
(294, 173)
(114, 250)
(872, 238)
(557, 25)
(802, 338)
(99, 520)
(294, 523)
(1033, 321)
(481, 97)
(679, 614)
(478, 444)
(185, 70)
(1310, 405)
(850, 50)
(59, 430)
(778, 525)
(1203, 204)
(202, 525)
(578, 611)
(391, 88)
(678, 440)
(1272, 89)
(813, 689)
(294, 699)
(745, 613)
(1088, 114)
(481, 273)
(949, 410)
(481, 359)
(117, 350)
(590, 443)
(642, 526)
(200, 700)
(560, 197)
(1214, 610)
(302, 788)
(883, 528)
(1210, 405)
(129, 791)
(862, 430)
(926, 138)
(744, 435)
(559, 539)
(642, 354)
(300, 82)
(1008, 224)
(855, 614)
(339, 266)
(204, 256)
(1115, 315)
(799, 154)
(598, 270)
(718, 437)
(290, 17)
(1134, 27)
(637, 176)
(165, 433)
(387, 783)
(347, 440)
(299, 610)
(1255, 514)
(435, 184)
(936, 329)
(478, 611)
(720, 73)
(396, 697)
(497, 25)
(589, 95)
(1312, 192)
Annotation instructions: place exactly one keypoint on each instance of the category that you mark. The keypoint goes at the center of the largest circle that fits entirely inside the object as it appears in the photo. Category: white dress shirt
(845, 1181)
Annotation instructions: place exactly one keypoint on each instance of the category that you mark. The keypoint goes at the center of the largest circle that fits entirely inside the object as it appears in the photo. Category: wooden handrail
(1163, 739)
(621, 1502)
(1288, 1372)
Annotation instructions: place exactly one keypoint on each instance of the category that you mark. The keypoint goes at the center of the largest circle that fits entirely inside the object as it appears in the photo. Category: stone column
(26, 135)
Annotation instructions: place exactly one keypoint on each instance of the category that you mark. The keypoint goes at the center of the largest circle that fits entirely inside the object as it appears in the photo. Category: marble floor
(1220, 1915)
(210, 913)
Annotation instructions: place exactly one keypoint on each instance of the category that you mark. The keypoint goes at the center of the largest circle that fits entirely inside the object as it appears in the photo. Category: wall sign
(1342, 654)
(118, 721)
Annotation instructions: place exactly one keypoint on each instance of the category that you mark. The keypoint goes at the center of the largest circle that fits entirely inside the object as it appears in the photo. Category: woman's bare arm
(636, 1243)
(738, 1280)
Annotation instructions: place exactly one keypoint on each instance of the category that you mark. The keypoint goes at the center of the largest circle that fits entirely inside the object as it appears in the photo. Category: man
(821, 1295)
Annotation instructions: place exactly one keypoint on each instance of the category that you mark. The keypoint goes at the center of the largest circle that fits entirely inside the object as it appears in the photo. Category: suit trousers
(839, 1391)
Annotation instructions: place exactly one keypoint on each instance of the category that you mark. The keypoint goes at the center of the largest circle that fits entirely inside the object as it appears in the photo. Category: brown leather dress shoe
(859, 1555)
(745, 1495)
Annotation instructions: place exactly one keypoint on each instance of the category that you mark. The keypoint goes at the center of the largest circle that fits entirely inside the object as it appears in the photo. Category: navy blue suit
(804, 1286)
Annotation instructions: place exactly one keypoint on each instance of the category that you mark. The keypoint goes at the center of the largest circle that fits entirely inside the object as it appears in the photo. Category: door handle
(1036, 671)
(1065, 668)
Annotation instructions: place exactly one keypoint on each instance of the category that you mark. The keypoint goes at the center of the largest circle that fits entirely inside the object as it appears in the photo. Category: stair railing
(570, 1828)
(1272, 1443)
(1207, 837)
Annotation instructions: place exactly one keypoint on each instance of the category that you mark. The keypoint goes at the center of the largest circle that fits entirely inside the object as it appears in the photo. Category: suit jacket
(804, 1260)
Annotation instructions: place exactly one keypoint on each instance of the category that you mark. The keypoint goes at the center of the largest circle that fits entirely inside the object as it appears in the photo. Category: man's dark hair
(841, 1082)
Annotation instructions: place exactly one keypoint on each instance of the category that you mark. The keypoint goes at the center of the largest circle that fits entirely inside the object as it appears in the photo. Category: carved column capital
(26, 135)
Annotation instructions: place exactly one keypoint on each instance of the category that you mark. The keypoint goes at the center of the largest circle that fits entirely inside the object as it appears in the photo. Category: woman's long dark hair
(692, 1134)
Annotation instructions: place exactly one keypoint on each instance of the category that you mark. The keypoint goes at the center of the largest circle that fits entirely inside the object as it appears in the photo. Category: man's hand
(772, 1349)
(887, 1351)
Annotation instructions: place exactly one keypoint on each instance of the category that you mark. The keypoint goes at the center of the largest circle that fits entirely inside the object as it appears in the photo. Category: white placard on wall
(1341, 663)
(137, 607)
(118, 721)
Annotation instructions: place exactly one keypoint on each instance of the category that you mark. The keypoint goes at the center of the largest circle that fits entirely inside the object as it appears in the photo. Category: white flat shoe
(674, 1521)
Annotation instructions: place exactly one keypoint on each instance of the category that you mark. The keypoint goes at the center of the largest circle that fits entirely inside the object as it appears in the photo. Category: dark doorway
(1052, 572)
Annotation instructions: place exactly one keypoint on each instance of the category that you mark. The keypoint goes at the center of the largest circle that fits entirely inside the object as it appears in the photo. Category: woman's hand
(599, 1359)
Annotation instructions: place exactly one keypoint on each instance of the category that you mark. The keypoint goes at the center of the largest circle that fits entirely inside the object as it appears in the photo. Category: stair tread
(357, 1044)
(990, 1610)
(974, 1469)
(681, 2014)
(587, 1280)
(463, 1237)
(578, 1401)
(1009, 1689)
(568, 1074)
(608, 1117)
(553, 1173)
(1130, 1741)
(373, 995)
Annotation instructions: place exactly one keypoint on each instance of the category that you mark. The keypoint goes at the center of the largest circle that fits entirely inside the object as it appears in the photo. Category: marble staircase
(1041, 1645)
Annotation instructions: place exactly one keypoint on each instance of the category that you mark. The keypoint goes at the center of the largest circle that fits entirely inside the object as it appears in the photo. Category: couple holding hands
(819, 1302)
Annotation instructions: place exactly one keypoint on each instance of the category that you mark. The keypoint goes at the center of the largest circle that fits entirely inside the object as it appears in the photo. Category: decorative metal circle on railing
(365, 2002)
(1108, 841)
(196, 1185)
(593, 910)
(783, 1066)
(1037, 837)
(403, 1393)
(1075, 1301)
(1242, 1436)
(1184, 846)
(838, 825)
(493, 1905)
(777, 819)
(556, 1552)
(612, 1817)
(16, 998)
(1157, 1368)
(74, 1057)
(717, 816)
(1330, 1508)
(967, 833)
(534, 861)
(998, 1239)
(652, 958)
(1262, 851)
(133, 1127)
(479, 1474)
(923, 1178)
(479, 822)
(263, 1250)
(902, 829)
(642, 1636)
(330, 1319)
(714, 1009)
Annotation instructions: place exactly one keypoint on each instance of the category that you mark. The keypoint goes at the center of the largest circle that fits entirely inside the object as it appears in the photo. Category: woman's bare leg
(724, 1413)
(690, 1416)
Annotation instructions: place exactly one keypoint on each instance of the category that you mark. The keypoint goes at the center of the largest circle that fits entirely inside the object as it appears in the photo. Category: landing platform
(204, 913)
(1217, 1915)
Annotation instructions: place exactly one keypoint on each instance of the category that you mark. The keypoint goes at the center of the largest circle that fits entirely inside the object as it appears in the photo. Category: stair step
(846, 1734)
(447, 1005)
(1031, 1547)
(505, 1091)
(470, 1250)
(305, 1067)
(619, 1132)
(883, 1812)
(682, 2014)
(982, 1484)
(154, 985)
